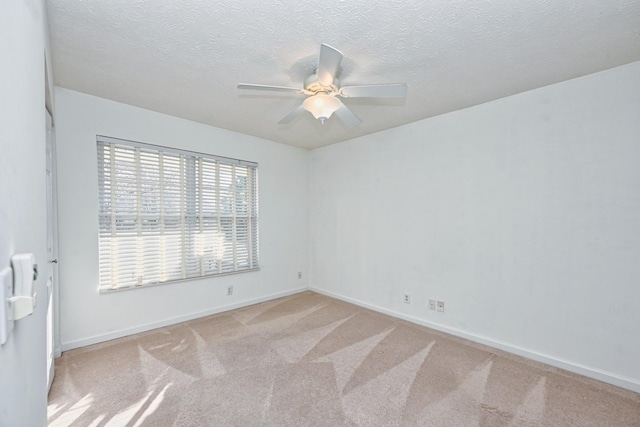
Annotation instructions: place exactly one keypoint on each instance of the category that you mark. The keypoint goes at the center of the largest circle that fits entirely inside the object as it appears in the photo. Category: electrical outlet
(441, 306)
(407, 299)
(299, 274)
(229, 290)
(432, 304)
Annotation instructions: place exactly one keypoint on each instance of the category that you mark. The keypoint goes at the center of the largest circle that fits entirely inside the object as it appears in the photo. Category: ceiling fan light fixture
(321, 106)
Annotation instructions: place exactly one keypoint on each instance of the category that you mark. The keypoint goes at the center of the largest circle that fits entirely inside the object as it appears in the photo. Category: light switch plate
(6, 292)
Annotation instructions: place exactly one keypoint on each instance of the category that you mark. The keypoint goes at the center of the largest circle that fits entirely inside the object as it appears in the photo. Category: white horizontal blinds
(149, 217)
(191, 254)
(118, 230)
(253, 216)
(167, 215)
(209, 217)
(226, 199)
(172, 217)
(106, 217)
(242, 219)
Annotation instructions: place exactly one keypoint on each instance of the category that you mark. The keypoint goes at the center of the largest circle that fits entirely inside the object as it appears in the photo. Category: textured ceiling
(185, 57)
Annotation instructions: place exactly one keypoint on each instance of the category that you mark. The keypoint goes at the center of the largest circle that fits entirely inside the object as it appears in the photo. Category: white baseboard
(604, 376)
(69, 345)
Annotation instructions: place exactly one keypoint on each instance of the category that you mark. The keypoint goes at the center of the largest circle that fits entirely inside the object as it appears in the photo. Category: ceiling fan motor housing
(313, 85)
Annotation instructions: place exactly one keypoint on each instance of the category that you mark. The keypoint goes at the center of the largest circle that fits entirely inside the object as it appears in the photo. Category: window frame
(194, 175)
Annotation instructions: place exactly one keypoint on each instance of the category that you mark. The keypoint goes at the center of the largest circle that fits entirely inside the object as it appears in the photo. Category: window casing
(168, 214)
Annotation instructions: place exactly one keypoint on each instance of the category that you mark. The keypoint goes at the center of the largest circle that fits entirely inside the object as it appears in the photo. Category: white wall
(23, 43)
(86, 315)
(522, 214)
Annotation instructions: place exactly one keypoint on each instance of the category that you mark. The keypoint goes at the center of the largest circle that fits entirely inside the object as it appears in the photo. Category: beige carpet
(312, 360)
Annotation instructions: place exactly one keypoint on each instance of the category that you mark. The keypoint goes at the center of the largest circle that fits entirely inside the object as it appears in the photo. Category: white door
(52, 253)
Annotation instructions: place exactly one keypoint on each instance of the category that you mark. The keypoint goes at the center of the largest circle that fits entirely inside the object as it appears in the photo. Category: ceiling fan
(323, 89)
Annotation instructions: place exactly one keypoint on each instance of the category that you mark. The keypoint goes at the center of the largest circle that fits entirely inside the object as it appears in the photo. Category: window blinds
(167, 214)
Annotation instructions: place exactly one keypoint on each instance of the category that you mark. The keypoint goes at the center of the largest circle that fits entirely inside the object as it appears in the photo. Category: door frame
(54, 291)
(51, 270)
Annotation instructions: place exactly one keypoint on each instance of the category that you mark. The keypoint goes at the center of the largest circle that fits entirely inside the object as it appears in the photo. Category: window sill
(169, 282)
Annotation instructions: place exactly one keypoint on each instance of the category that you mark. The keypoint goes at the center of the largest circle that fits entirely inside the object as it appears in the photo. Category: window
(168, 214)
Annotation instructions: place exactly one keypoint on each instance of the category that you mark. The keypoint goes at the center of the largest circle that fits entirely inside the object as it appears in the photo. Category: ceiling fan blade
(347, 116)
(269, 88)
(328, 64)
(395, 90)
(291, 116)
